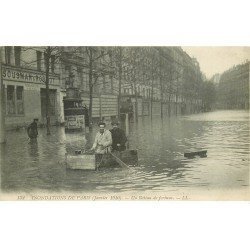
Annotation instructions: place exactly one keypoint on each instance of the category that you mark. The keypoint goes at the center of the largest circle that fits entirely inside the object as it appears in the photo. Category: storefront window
(19, 100)
(15, 103)
(10, 100)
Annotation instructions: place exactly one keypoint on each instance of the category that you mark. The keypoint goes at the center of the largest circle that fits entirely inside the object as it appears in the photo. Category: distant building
(215, 79)
(233, 88)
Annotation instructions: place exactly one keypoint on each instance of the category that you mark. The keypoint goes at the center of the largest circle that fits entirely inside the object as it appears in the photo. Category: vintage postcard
(154, 123)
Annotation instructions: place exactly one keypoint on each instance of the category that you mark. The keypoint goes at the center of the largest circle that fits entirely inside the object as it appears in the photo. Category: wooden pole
(119, 161)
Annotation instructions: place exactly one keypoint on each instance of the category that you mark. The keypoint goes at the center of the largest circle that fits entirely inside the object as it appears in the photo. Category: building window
(8, 50)
(39, 59)
(15, 100)
(53, 59)
(10, 100)
(17, 51)
(45, 59)
(19, 100)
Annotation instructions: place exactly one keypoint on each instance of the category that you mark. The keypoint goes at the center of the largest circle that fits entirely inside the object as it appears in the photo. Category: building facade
(23, 78)
(78, 65)
(233, 88)
(154, 81)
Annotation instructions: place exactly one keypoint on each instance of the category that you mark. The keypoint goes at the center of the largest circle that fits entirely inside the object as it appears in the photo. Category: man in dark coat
(118, 137)
(32, 129)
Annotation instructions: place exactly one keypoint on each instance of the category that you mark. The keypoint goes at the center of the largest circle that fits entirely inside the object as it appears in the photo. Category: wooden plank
(202, 153)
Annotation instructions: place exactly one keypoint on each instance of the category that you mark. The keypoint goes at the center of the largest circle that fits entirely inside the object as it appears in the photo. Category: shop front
(25, 96)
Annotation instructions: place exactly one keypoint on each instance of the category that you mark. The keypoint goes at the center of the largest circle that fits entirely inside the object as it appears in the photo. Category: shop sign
(22, 75)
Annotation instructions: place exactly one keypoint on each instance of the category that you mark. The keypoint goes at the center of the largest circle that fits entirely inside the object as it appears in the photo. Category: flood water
(40, 166)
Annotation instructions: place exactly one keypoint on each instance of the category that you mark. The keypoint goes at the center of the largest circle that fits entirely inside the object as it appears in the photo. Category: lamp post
(2, 104)
(71, 79)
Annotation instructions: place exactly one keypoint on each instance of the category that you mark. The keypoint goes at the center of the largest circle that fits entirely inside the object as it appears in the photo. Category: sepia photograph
(124, 122)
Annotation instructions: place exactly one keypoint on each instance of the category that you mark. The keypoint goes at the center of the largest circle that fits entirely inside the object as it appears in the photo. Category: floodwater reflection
(39, 165)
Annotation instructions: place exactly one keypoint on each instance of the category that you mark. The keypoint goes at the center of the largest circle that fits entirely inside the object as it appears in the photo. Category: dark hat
(116, 122)
(101, 123)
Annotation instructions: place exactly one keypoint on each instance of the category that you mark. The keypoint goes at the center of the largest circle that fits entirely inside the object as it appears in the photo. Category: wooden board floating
(202, 153)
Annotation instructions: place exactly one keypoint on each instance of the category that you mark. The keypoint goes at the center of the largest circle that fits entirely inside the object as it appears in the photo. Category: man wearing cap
(103, 140)
(118, 137)
(32, 129)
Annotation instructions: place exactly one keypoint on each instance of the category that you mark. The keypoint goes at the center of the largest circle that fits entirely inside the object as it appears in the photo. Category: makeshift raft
(87, 161)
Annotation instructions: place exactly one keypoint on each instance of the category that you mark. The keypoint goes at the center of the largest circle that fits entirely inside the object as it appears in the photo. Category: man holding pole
(102, 143)
(103, 140)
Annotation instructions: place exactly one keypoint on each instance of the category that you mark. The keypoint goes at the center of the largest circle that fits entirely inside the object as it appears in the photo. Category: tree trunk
(169, 106)
(161, 105)
(161, 88)
(176, 96)
(136, 107)
(176, 106)
(120, 81)
(2, 104)
(136, 102)
(90, 88)
(161, 98)
(47, 66)
(151, 105)
(90, 105)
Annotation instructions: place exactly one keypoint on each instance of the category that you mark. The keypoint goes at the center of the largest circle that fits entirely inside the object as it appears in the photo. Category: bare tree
(126, 71)
(131, 73)
(154, 76)
(118, 61)
(52, 57)
(47, 55)
(95, 69)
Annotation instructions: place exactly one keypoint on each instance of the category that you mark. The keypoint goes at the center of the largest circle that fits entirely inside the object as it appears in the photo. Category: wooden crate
(81, 161)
